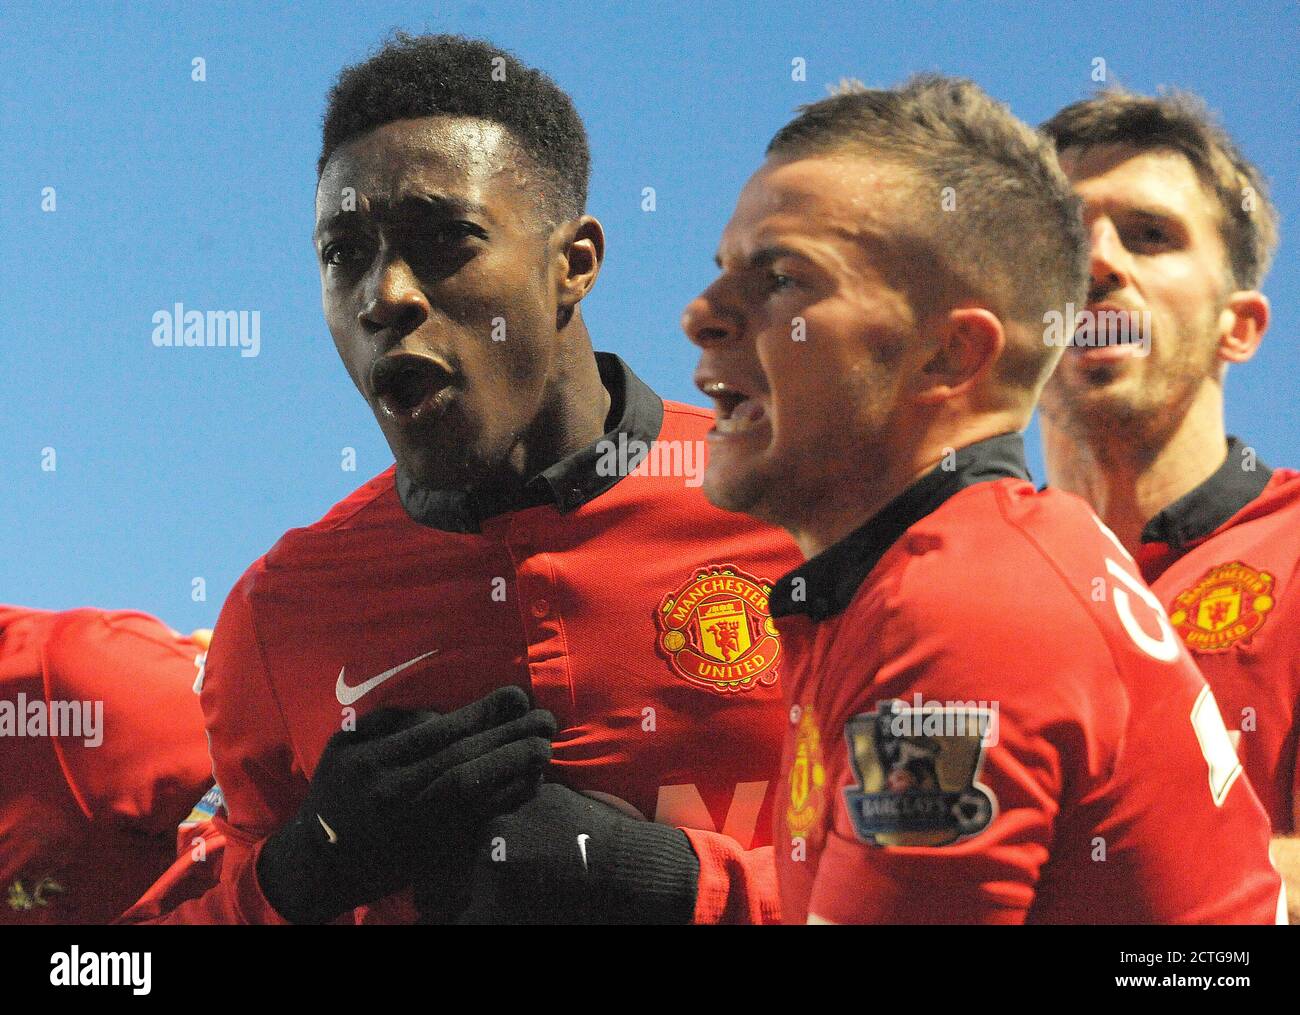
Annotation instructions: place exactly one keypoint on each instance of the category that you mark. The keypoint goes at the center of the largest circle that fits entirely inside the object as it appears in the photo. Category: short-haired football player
(384, 685)
(1182, 231)
(989, 717)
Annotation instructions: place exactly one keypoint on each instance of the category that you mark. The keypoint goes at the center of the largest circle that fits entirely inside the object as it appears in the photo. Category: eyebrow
(764, 256)
(1146, 210)
(425, 205)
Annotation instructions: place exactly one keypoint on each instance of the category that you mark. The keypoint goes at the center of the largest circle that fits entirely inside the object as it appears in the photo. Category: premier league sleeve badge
(917, 769)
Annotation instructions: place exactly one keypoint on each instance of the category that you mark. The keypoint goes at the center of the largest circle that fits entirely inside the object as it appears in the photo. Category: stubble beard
(1145, 410)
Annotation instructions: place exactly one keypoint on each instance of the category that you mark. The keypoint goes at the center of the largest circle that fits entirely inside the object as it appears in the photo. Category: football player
(385, 684)
(1182, 231)
(102, 750)
(989, 717)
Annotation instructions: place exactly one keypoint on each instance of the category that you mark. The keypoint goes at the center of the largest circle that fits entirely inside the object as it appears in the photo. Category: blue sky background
(182, 463)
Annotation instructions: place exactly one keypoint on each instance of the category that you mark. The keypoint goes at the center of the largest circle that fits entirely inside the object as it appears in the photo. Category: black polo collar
(636, 413)
(832, 578)
(1204, 509)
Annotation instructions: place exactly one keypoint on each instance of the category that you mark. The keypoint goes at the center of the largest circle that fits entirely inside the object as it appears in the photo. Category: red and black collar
(1238, 481)
(832, 578)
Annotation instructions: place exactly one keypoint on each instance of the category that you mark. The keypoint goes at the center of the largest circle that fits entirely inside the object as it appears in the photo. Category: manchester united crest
(717, 632)
(1226, 607)
(807, 777)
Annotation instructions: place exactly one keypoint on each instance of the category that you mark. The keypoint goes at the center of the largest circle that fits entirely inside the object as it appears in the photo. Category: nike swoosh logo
(582, 848)
(348, 694)
(333, 835)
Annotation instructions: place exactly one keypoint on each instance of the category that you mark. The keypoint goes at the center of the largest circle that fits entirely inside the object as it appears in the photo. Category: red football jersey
(102, 751)
(639, 617)
(1225, 562)
(991, 721)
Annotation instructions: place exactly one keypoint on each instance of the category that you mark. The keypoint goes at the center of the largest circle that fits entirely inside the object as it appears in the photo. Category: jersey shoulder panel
(354, 522)
(969, 606)
(999, 565)
(371, 495)
(681, 419)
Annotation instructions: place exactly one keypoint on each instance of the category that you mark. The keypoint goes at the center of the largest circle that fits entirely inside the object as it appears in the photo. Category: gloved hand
(398, 795)
(563, 857)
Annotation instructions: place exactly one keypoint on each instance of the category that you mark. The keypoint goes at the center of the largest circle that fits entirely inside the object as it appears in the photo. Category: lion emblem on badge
(717, 631)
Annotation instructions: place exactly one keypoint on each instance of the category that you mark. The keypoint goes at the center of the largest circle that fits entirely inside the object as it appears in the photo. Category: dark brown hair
(1181, 122)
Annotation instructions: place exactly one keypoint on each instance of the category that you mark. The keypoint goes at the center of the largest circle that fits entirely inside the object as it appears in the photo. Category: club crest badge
(807, 778)
(918, 773)
(1226, 607)
(717, 632)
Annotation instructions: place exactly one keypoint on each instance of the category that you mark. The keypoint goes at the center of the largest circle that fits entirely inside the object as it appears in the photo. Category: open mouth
(735, 410)
(409, 387)
(1107, 332)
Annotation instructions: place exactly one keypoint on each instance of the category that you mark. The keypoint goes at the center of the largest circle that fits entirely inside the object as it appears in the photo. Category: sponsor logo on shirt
(1226, 607)
(918, 773)
(207, 807)
(717, 631)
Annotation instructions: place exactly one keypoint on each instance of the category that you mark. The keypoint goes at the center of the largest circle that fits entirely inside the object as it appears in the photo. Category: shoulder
(376, 497)
(1006, 560)
(1003, 592)
(682, 420)
(365, 512)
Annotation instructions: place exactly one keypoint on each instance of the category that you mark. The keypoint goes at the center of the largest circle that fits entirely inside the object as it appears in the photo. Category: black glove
(401, 793)
(563, 857)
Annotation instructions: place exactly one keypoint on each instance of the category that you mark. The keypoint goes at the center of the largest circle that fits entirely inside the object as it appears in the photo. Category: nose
(394, 301)
(1108, 262)
(708, 320)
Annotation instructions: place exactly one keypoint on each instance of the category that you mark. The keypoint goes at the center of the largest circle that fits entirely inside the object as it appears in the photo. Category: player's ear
(580, 250)
(1242, 325)
(967, 342)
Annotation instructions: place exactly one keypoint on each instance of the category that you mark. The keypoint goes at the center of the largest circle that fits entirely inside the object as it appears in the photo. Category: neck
(1127, 479)
(574, 408)
(846, 506)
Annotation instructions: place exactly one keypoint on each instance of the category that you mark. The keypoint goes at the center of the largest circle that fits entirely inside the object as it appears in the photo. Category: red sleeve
(150, 759)
(989, 878)
(253, 763)
(196, 869)
(1295, 759)
(736, 885)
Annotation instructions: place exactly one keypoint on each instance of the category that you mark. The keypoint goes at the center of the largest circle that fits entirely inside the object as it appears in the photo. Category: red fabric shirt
(1225, 562)
(88, 812)
(1054, 755)
(639, 618)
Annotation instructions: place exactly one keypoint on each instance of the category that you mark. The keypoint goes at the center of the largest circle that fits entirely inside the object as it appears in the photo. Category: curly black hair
(451, 75)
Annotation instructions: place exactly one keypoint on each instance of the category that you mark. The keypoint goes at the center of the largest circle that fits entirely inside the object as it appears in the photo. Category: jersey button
(541, 608)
